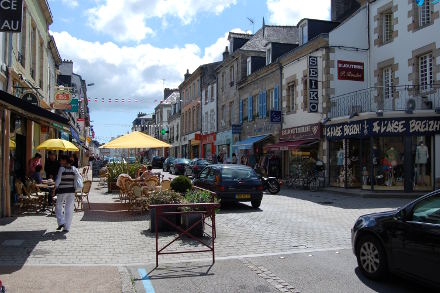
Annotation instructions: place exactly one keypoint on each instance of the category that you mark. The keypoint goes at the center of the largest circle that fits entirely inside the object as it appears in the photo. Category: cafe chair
(84, 193)
(165, 185)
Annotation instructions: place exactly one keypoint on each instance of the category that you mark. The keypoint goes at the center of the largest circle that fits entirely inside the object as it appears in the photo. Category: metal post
(157, 235)
(372, 178)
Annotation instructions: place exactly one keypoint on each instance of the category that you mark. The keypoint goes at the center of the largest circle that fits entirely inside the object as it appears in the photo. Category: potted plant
(164, 197)
(181, 184)
(188, 220)
(116, 169)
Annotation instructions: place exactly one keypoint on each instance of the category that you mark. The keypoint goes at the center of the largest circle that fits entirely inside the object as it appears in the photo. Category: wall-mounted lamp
(379, 113)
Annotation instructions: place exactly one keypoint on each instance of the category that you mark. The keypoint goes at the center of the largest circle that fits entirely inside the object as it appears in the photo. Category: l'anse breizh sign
(10, 15)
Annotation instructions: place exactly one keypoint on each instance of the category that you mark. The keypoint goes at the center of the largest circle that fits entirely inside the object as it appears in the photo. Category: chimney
(226, 53)
(187, 75)
(341, 9)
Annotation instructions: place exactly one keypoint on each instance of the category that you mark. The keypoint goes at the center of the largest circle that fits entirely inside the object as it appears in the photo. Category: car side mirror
(402, 214)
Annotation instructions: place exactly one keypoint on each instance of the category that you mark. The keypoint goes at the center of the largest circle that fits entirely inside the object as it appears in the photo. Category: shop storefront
(298, 146)
(252, 151)
(223, 145)
(384, 153)
(208, 146)
(24, 126)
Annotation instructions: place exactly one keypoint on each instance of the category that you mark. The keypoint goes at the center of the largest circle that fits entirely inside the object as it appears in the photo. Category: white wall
(301, 117)
(209, 126)
(349, 42)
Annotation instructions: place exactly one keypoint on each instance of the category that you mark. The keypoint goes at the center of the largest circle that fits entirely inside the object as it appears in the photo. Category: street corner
(61, 279)
(203, 276)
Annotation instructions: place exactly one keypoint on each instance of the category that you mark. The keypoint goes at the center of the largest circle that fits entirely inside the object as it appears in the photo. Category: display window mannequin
(422, 156)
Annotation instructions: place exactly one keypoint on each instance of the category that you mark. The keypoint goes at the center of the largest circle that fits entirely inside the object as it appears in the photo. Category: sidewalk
(374, 194)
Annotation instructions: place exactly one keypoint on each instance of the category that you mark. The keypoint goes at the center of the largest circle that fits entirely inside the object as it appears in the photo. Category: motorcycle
(271, 184)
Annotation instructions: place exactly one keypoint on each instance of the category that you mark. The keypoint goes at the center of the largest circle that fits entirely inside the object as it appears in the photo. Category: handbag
(78, 180)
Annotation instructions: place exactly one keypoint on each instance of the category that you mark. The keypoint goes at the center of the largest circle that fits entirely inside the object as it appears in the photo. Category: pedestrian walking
(68, 180)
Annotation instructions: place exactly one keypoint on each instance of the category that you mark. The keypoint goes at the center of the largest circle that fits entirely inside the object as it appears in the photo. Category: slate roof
(272, 33)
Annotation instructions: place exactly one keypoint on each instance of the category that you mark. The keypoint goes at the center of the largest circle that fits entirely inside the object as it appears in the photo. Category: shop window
(302, 159)
(425, 14)
(425, 72)
(421, 152)
(388, 163)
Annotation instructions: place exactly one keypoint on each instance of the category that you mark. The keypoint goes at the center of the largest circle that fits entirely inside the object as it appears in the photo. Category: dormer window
(249, 66)
(304, 36)
(269, 55)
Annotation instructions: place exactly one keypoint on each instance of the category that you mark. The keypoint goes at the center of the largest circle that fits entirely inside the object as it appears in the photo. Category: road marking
(146, 281)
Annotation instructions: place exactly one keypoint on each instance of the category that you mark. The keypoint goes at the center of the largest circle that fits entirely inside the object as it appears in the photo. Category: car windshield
(202, 162)
(239, 173)
(181, 161)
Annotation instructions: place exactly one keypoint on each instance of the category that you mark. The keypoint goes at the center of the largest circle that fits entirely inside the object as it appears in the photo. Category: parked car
(157, 162)
(166, 164)
(405, 241)
(232, 183)
(178, 166)
(131, 160)
(195, 167)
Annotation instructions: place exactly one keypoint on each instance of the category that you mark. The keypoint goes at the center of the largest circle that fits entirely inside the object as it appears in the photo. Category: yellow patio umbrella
(58, 145)
(135, 140)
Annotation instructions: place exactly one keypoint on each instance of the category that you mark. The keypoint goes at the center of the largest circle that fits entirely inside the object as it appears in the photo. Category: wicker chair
(165, 185)
(84, 193)
(136, 200)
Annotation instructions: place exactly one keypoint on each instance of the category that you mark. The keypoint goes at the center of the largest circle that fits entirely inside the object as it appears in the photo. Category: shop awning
(248, 143)
(32, 112)
(289, 145)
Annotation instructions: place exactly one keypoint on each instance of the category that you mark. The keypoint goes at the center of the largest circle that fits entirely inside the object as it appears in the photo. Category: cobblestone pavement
(292, 221)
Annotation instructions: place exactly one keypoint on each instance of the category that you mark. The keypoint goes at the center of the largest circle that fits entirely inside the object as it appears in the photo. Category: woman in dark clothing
(51, 166)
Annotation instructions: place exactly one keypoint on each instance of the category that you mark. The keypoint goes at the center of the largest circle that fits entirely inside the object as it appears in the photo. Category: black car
(167, 163)
(195, 167)
(178, 166)
(232, 183)
(404, 241)
(157, 162)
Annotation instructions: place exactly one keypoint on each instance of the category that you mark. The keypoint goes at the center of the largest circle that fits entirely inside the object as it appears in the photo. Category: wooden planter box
(190, 219)
(162, 226)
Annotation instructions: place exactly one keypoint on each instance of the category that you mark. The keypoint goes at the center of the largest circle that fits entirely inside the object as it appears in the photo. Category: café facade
(398, 153)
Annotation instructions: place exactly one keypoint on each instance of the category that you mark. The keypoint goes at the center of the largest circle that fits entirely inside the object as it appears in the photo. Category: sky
(135, 48)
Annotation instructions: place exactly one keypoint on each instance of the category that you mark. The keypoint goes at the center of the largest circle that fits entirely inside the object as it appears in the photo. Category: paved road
(291, 222)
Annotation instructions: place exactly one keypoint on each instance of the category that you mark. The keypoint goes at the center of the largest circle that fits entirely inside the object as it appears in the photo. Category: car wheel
(256, 203)
(371, 257)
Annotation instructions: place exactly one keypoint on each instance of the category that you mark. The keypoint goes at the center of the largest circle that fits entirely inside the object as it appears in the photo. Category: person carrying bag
(68, 181)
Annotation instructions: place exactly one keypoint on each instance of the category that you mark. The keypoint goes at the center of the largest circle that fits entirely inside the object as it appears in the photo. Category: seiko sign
(10, 15)
(313, 84)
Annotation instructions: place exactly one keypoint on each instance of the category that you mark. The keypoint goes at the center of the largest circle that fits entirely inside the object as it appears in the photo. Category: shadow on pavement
(17, 246)
(111, 212)
(392, 284)
(237, 207)
(177, 272)
(343, 201)
(6, 221)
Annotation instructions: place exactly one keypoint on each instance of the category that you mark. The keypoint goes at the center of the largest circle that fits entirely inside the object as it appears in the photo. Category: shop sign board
(275, 116)
(30, 98)
(65, 101)
(11, 15)
(236, 128)
(349, 70)
(311, 131)
(418, 126)
(208, 138)
(313, 84)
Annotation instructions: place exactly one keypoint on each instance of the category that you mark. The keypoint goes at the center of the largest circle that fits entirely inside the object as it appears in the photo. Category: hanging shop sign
(11, 15)
(236, 129)
(275, 116)
(30, 97)
(311, 131)
(419, 126)
(313, 84)
(349, 70)
(65, 101)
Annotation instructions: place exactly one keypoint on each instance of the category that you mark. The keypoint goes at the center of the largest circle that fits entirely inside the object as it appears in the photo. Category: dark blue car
(232, 183)
(404, 241)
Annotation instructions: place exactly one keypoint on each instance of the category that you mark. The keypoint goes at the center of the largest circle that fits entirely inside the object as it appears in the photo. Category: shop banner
(208, 138)
(419, 126)
(65, 101)
(313, 84)
(311, 131)
(11, 15)
(349, 70)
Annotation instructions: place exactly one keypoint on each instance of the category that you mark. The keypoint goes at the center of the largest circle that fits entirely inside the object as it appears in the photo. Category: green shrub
(116, 169)
(165, 197)
(198, 196)
(181, 184)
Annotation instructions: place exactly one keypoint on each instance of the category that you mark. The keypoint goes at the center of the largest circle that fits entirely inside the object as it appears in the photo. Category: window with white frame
(205, 122)
(387, 24)
(387, 74)
(212, 121)
(271, 99)
(249, 66)
(2, 48)
(425, 14)
(213, 91)
(425, 72)
(290, 101)
(304, 36)
(269, 55)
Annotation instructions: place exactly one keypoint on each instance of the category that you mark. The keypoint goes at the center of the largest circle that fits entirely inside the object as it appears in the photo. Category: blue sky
(127, 47)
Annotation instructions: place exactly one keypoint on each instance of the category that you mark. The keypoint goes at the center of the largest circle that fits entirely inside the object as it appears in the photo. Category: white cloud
(289, 12)
(134, 71)
(126, 20)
